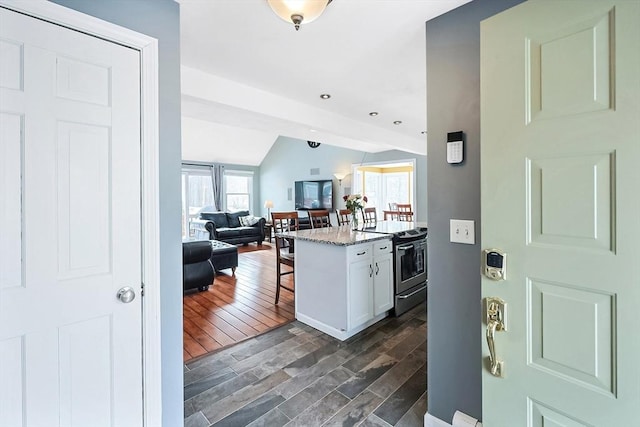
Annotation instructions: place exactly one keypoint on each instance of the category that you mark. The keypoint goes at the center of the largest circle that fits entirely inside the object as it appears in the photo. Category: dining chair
(370, 216)
(405, 212)
(282, 222)
(319, 218)
(344, 216)
(392, 213)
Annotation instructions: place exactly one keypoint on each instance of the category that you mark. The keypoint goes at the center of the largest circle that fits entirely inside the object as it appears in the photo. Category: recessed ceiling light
(397, 122)
(325, 96)
(373, 113)
(312, 130)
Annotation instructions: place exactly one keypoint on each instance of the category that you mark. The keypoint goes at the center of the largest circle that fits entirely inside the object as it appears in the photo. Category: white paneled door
(70, 350)
(560, 174)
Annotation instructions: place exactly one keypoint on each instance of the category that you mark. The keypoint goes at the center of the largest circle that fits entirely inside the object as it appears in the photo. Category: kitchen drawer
(382, 247)
(358, 252)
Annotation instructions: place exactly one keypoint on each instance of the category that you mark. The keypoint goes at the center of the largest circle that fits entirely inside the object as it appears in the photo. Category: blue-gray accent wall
(291, 160)
(161, 19)
(453, 300)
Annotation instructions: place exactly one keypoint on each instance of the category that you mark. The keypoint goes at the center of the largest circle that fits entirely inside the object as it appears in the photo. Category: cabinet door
(360, 291)
(382, 283)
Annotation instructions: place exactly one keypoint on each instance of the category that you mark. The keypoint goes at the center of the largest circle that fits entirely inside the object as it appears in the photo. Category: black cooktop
(400, 230)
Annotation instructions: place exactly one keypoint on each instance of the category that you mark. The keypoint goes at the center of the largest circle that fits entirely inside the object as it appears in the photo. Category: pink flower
(345, 197)
(365, 199)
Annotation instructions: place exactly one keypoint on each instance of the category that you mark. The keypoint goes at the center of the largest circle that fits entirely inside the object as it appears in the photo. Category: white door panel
(70, 228)
(83, 195)
(560, 152)
(11, 380)
(11, 274)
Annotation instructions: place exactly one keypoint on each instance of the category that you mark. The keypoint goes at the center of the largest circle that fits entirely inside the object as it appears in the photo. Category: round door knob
(126, 294)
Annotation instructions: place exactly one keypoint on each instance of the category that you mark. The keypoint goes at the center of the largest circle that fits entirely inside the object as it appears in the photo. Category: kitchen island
(343, 279)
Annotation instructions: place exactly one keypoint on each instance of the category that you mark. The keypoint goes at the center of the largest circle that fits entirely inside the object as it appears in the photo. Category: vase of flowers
(354, 203)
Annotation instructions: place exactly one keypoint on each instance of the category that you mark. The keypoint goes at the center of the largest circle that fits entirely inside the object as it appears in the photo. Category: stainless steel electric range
(409, 261)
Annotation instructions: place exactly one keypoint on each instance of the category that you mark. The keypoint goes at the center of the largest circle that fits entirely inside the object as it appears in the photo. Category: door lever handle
(496, 321)
(495, 364)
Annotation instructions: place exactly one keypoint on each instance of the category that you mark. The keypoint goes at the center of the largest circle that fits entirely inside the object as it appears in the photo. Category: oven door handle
(404, 247)
(412, 293)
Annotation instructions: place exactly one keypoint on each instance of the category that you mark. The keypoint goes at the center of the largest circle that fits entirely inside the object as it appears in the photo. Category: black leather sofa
(226, 227)
(197, 270)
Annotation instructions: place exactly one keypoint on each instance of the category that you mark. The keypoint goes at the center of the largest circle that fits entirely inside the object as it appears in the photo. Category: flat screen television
(314, 194)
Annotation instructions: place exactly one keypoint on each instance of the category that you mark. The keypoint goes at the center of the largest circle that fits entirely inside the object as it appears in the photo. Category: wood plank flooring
(237, 307)
(297, 376)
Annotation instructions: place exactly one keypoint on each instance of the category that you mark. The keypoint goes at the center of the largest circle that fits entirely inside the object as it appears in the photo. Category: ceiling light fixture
(325, 96)
(298, 12)
(397, 122)
(373, 113)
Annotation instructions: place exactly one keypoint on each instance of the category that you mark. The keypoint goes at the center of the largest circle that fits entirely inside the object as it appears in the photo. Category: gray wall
(161, 19)
(290, 160)
(453, 300)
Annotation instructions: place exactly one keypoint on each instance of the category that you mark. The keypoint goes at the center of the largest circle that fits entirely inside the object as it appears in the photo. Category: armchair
(197, 270)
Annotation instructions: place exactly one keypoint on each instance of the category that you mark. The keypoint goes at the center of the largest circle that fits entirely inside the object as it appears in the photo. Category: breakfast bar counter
(339, 236)
(343, 279)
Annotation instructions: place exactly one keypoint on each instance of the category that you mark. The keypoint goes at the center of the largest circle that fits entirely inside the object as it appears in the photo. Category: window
(397, 186)
(372, 185)
(384, 184)
(238, 190)
(197, 195)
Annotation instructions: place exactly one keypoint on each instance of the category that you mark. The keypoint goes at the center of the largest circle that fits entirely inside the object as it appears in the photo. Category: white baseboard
(431, 421)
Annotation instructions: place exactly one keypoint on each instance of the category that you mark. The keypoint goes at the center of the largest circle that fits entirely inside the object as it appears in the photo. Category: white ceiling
(248, 77)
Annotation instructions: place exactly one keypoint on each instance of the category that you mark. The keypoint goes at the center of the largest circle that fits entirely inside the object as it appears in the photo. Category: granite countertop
(340, 236)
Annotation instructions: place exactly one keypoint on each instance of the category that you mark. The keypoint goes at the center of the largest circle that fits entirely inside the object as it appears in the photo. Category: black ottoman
(224, 255)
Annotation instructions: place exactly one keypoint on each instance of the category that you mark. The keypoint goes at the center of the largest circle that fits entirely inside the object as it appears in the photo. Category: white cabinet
(342, 290)
(360, 289)
(370, 281)
(382, 277)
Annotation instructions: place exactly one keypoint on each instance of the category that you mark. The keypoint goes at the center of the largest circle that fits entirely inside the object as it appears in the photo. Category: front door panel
(560, 152)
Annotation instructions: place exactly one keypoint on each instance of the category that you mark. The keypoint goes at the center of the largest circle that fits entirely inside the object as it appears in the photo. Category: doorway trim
(150, 226)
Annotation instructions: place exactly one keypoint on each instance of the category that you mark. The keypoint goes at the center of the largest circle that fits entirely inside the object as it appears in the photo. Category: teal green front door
(560, 138)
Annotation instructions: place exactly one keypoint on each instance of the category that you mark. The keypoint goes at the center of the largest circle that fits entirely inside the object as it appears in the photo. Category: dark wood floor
(236, 307)
(297, 376)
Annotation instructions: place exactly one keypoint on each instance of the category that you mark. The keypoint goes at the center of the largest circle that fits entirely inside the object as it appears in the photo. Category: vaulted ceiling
(249, 77)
